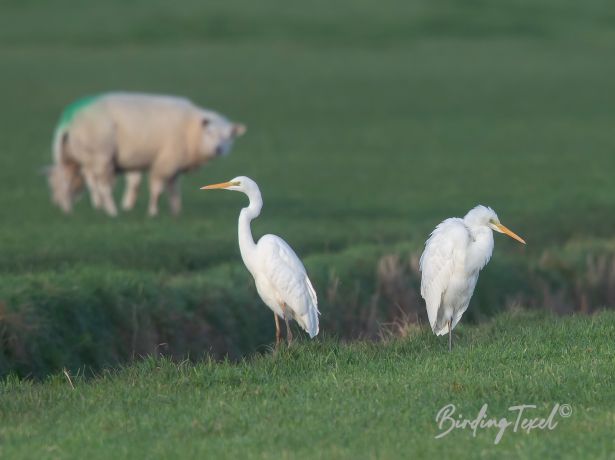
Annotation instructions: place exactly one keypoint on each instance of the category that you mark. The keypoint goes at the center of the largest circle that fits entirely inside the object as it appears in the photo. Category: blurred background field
(367, 125)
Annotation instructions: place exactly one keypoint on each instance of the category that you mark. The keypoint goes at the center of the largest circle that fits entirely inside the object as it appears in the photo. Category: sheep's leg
(105, 190)
(175, 199)
(156, 187)
(90, 181)
(133, 180)
(104, 177)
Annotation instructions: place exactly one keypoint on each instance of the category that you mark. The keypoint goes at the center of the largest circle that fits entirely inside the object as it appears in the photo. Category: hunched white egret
(454, 254)
(280, 277)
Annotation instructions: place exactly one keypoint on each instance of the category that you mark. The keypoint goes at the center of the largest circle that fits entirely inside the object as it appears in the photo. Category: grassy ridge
(91, 318)
(312, 400)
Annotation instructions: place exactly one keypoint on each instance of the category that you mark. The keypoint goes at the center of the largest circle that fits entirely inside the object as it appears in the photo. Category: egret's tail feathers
(438, 325)
(312, 295)
(440, 330)
(310, 319)
(441, 327)
(310, 323)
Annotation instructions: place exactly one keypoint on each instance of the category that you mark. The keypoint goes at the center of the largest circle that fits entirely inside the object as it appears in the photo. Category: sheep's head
(218, 134)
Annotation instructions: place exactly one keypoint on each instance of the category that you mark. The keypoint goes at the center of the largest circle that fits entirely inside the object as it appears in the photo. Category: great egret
(281, 279)
(454, 254)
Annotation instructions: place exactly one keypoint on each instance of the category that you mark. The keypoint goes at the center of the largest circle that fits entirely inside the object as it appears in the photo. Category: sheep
(103, 135)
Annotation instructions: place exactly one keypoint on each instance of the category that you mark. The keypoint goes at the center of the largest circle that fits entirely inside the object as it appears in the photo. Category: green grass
(326, 399)
(367, 125)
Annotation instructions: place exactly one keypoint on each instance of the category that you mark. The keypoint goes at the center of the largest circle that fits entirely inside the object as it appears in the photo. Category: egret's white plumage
(454, 254)
(280, 277)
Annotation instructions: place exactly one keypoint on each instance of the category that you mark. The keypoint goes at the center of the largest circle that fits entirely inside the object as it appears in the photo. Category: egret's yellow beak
(510, 233)
(220, 185)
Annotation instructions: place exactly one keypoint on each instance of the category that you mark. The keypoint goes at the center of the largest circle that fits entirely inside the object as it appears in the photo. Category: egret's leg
(278, 332)
(450, 337)
(289, 333)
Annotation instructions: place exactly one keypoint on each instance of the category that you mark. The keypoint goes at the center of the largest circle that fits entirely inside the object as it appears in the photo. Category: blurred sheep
(100, 136)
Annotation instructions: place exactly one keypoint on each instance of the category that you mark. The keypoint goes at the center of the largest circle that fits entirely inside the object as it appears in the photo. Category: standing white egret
(454, 254)
(281, 279)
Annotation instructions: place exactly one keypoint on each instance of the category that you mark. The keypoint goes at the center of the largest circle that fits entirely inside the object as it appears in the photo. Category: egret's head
(485, 216)
(240, 184)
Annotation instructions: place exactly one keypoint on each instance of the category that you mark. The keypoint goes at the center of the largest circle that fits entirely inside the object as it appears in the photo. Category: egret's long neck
(480, 249)
(247, 246)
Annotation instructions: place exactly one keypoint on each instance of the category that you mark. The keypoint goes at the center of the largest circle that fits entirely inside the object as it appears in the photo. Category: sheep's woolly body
(101, 135)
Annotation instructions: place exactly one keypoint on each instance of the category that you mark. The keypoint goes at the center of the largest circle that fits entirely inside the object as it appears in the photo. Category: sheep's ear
(205, 122)
(239, 129)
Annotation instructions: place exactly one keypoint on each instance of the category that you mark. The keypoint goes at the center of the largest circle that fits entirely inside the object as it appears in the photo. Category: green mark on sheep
(72, 109)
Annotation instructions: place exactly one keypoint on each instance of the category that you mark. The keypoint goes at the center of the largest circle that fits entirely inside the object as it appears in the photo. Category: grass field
(366, 127)
(325, 399)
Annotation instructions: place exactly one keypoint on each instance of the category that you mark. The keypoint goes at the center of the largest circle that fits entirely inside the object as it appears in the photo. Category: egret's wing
(287, 275)
(437, 263)
(471, 284)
